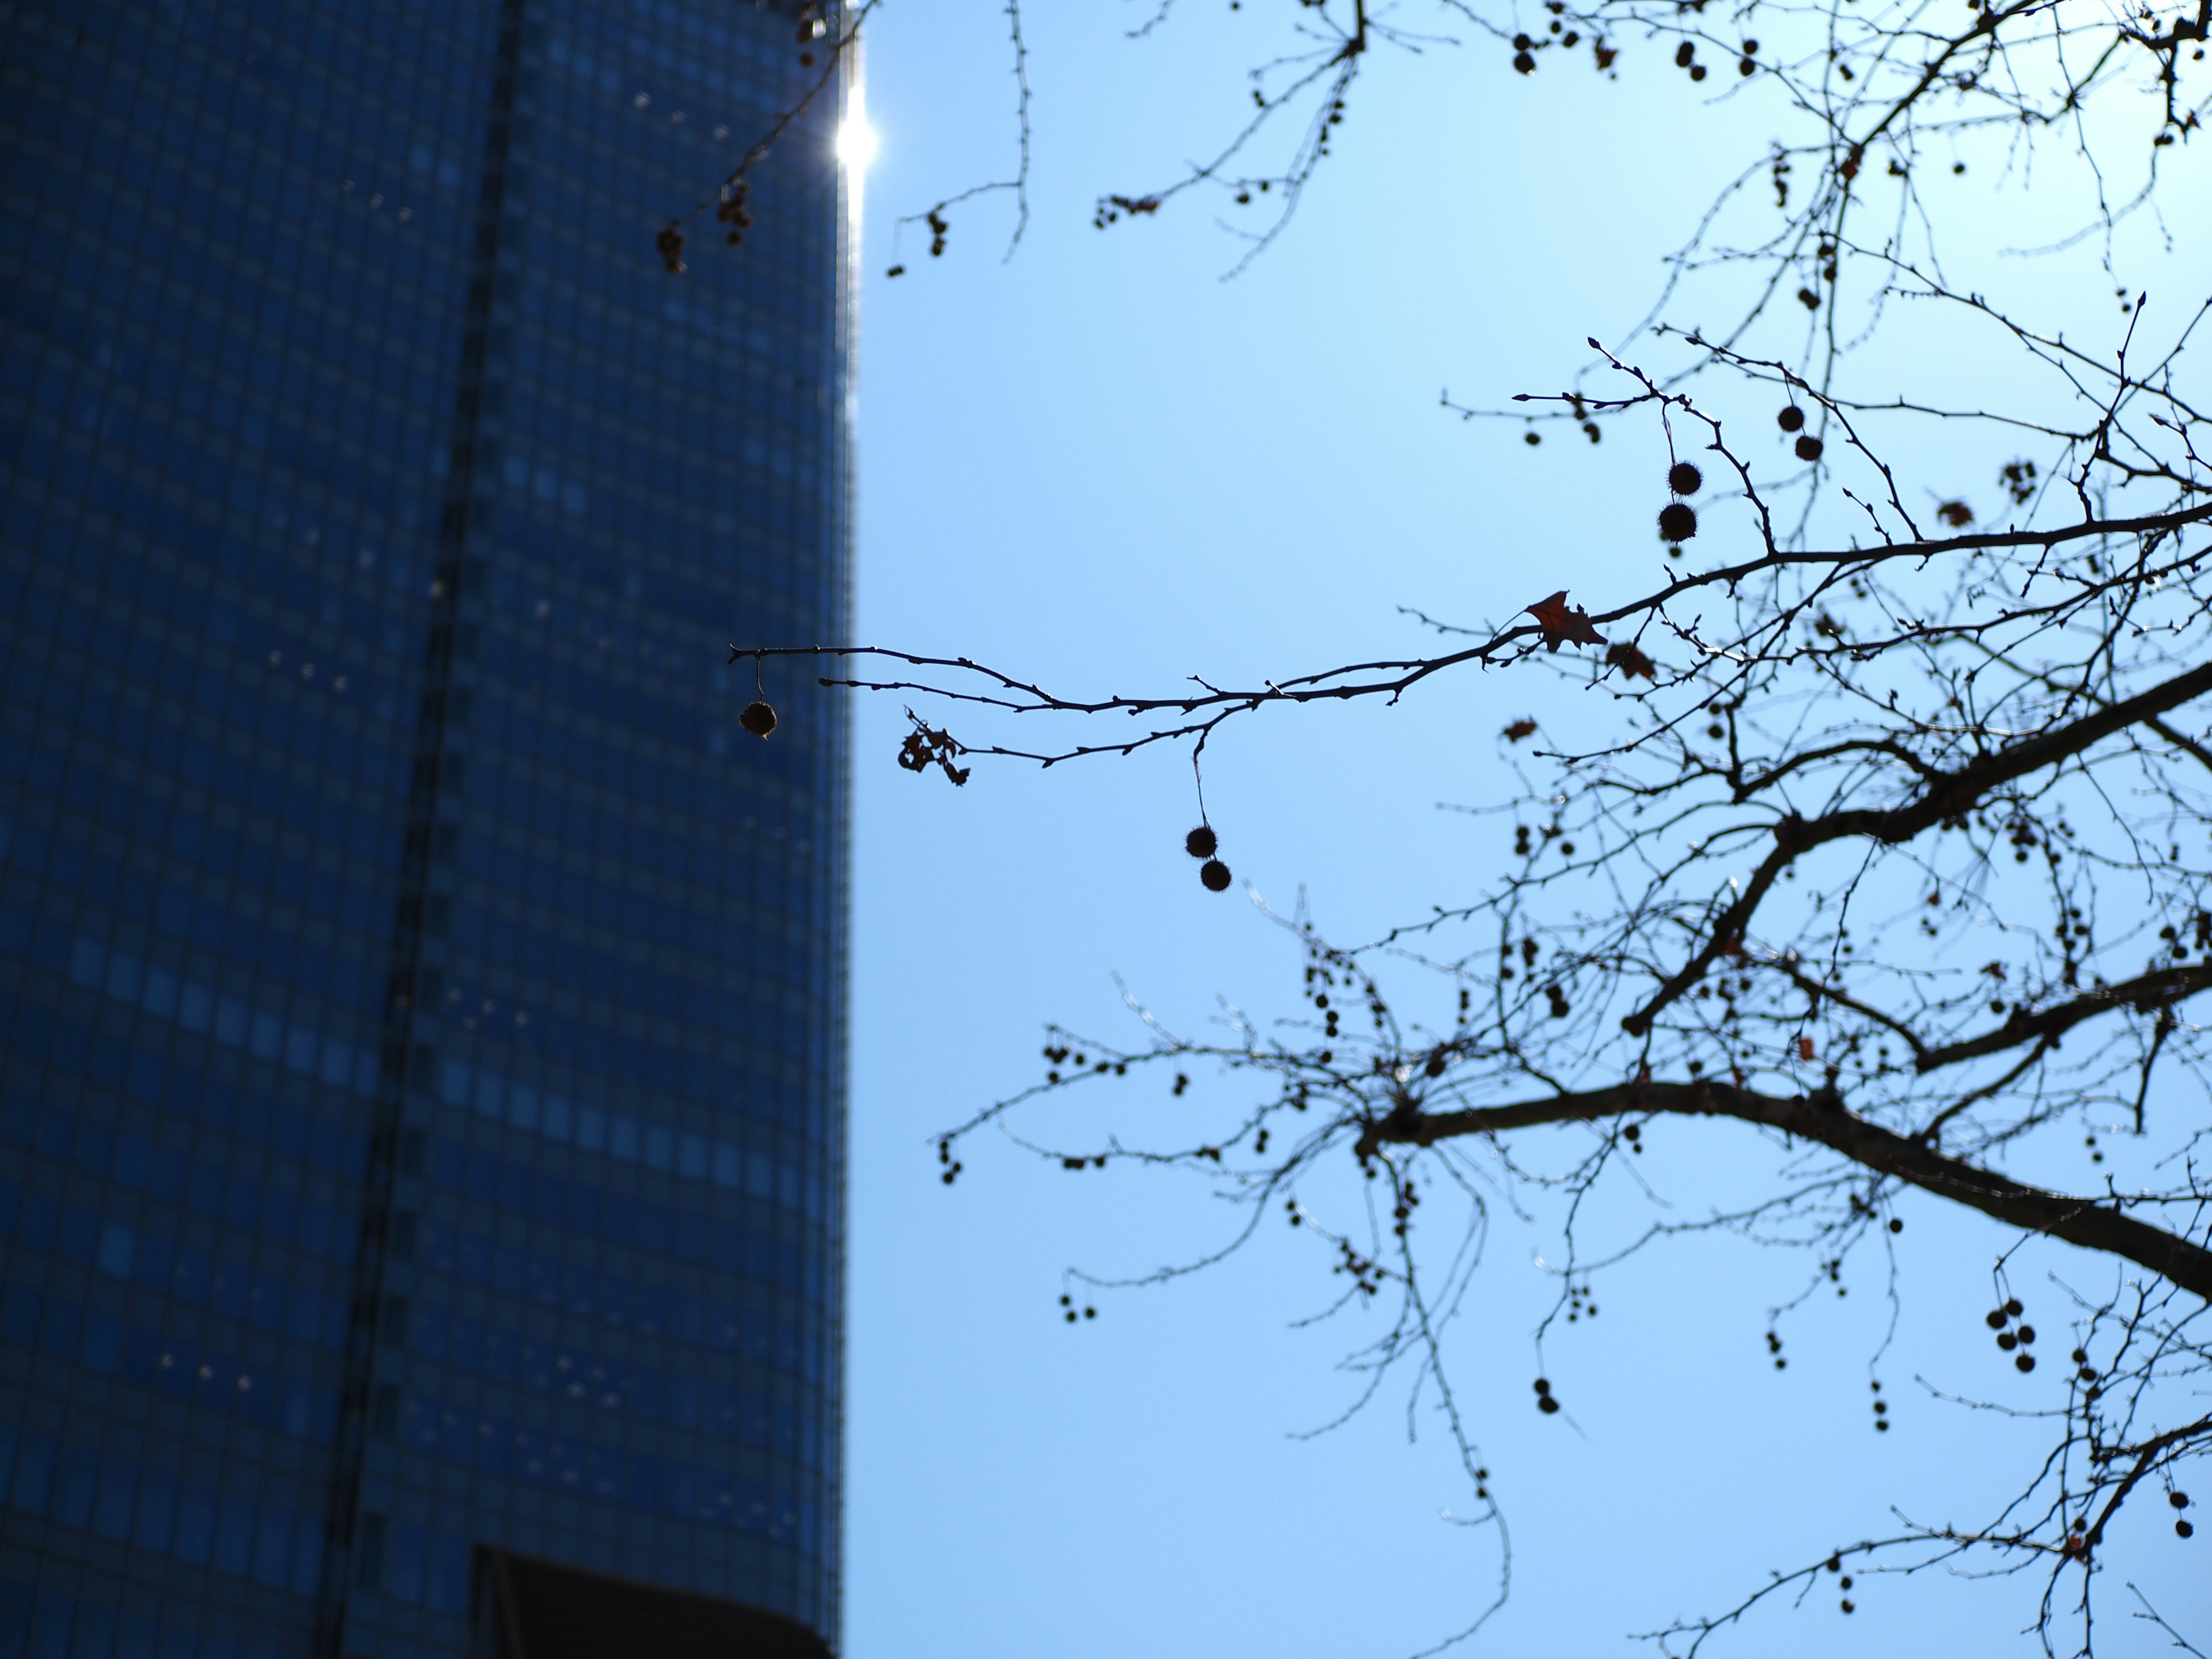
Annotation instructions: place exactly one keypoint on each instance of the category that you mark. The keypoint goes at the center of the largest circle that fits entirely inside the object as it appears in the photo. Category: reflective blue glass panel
(421, 1006)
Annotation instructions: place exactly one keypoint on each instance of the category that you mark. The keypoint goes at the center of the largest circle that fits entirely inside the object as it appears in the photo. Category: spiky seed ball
(1684, 479)
(1200, 842)
(1791, 419)
(2025, 1362)
(1215, 874)
(1546, 1404)
(1678, 522)
(758, 719)
(1807, 447)
(1524, 63)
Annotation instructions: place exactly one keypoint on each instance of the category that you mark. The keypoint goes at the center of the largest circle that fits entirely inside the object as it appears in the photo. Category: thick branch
(1945, 795)
(1951, 794)
(1822, 1117)
(2145, 991)
(1726, 934)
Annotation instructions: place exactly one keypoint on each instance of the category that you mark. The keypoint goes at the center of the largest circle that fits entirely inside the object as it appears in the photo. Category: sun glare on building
(856, 139)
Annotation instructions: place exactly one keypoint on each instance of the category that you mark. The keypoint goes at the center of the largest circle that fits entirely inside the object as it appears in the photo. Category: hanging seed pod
(758, 719)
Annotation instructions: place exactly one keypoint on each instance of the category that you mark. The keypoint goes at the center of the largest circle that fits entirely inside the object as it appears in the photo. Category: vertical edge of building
(852, 184)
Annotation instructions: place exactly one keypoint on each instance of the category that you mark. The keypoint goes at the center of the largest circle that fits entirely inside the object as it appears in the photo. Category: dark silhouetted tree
(1880, 825)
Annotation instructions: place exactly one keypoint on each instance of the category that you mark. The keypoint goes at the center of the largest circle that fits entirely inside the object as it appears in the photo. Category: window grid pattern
(237, 243)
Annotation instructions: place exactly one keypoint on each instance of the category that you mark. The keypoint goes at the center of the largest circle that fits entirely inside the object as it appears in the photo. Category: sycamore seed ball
(1201, 843)
(758, 719)
(1684, 479)
(1215, 874)
(1678, 522)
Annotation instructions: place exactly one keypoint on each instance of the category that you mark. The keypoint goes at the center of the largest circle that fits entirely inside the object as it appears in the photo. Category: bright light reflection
(856, 139)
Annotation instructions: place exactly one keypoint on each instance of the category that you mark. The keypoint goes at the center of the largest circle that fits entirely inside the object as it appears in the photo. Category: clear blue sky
(1098, 463)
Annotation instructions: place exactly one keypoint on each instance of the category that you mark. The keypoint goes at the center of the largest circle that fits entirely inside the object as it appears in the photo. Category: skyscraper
(421, 1005)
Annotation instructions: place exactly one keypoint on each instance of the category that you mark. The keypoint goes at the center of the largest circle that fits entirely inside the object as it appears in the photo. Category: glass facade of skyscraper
(421, 1006)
